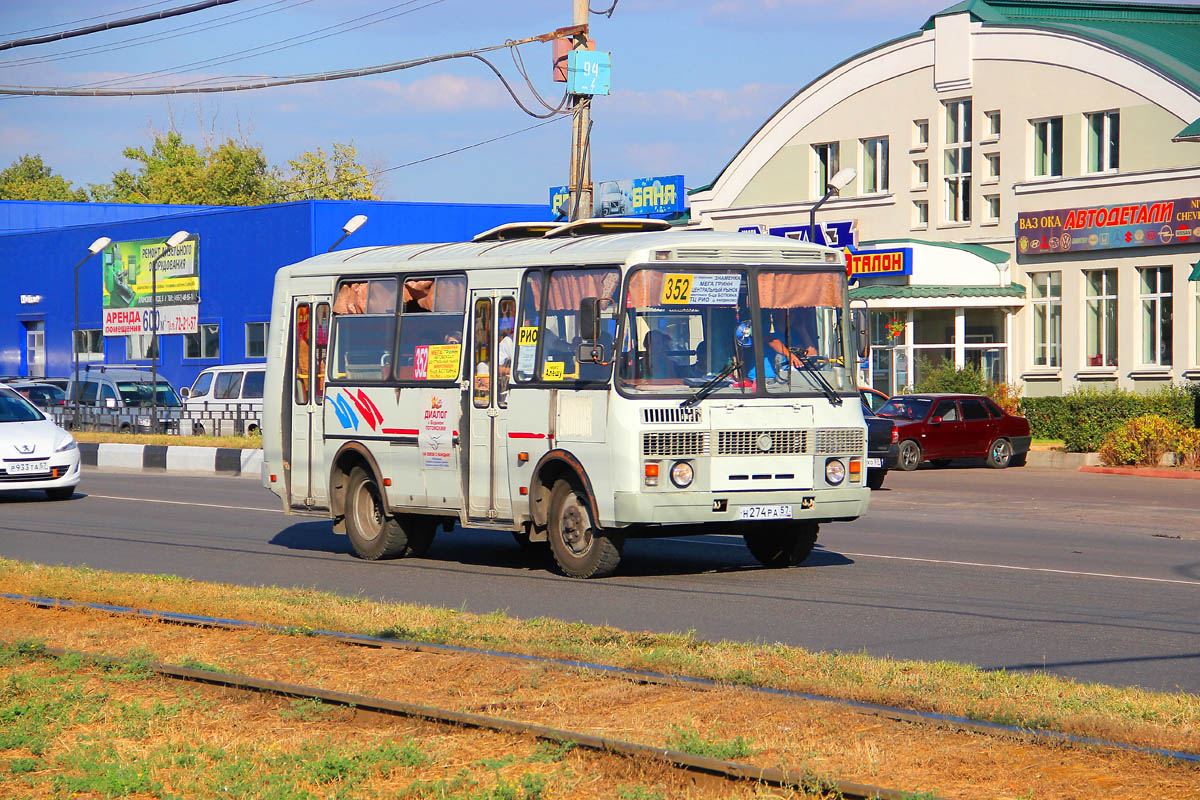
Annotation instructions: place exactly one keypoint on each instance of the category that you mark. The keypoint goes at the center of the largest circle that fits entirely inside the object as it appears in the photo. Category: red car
(939, 427)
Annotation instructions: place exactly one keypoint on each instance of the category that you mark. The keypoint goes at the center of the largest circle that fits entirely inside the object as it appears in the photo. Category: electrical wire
(305, 190)
(519, 63)
(120, 23)
(86, 19)
(608, 13)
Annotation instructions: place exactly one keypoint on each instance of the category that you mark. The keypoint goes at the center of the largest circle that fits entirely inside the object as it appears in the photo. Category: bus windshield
(683, 329)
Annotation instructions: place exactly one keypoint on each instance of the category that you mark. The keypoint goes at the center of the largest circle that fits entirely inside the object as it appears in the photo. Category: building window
(1156, 315)
(957, 161)
(985, 345)
(920, 134)
(922, 174)
(993, 167)
(828, 165)
(140, 347)
(1047, 318)
(256, 339)
(920, 213)
(992, 204)
(875, 165)
(89, 344)
(1100, 339)
(206, 343)
(1047, 147)
(1104, 141)
(993, 124)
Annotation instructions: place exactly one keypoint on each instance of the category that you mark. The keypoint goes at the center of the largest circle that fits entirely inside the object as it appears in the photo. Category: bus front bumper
(688, 508)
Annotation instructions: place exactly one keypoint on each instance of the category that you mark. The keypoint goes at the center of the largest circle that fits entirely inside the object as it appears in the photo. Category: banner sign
(874, 263)
(1157, 224)
(631, 197)
(127, 290)
(841, 233)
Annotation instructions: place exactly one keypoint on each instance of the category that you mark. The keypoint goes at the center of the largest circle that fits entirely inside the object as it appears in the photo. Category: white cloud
(442, 92)
(750, 101)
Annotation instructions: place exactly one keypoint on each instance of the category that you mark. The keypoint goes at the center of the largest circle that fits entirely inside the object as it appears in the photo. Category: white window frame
(266, 326)
(1047, 352)
(920, 134)
(827, 158)
(1154, 301)
(988, 201)
(1043, 163)
(992, 175)
(1105, 301)
(876, 178)
(956, 209)
(992, 132)
(920, 208)
(205, 329)
(91, 335)
(139, 347)
(921, 181)
(1108, 158)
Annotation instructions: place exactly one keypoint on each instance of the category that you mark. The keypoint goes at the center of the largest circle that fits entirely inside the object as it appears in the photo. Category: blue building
(239, 249)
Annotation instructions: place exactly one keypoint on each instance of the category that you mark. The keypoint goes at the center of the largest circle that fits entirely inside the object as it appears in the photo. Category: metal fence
(227, 420)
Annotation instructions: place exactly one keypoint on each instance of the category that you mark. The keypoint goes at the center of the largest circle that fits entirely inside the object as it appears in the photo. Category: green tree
(28, 178)
(316, 175)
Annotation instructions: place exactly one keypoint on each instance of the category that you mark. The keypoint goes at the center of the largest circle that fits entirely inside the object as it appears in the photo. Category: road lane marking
(980, 564)
(183, 503)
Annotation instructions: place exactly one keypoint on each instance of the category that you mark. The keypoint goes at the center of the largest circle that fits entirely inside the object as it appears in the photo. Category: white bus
(573, 384)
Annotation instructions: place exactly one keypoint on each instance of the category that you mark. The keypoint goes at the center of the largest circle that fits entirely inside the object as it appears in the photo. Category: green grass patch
(689, 740)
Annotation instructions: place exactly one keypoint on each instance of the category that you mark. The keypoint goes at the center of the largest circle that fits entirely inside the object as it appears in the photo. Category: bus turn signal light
(652, 474)
(522, 457)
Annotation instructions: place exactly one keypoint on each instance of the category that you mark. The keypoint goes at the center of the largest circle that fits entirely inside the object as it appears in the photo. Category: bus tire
(421, 533)
(373, 533)
(783, 545)
(580, 547)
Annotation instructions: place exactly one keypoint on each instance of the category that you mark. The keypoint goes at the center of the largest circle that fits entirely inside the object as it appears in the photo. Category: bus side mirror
(184, 392)
(594, 353)
(589, 321)
(862, 336)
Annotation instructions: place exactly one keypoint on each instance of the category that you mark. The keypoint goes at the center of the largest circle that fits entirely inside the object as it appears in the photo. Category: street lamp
(839, 181)
(177, 238)
(93, 248)
(352, 224)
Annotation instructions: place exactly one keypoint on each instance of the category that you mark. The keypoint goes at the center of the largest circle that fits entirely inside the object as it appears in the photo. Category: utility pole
(579, 181)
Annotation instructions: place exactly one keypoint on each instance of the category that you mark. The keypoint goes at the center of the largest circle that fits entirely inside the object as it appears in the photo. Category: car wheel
(910, 455)
(782, 545)
(61, 493)
(126, 428)
(421, 533)
(580, 547)
(875, 478)
(1000, 454)
(373, 534)
(197, 429)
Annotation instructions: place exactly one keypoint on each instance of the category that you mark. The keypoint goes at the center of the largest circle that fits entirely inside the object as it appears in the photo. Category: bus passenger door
(493, 314)
(308, 483)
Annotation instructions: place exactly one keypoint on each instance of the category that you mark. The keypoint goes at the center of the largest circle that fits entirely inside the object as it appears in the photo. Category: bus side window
(481, 354)
(506, 349)
(527, 330)
(567, 288)
(431, 328)
(364, 331)
(302, 353)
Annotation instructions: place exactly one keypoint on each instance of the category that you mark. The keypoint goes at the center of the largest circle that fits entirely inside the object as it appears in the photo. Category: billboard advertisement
(631, 197)
(128, 287)
(1155, 224)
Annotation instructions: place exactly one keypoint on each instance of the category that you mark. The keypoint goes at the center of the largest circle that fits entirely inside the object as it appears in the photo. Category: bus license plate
(28, 468)
(874, 463)
(765, 512)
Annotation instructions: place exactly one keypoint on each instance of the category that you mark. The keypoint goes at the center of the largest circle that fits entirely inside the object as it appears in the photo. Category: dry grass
(1137, 716)
(245, 442)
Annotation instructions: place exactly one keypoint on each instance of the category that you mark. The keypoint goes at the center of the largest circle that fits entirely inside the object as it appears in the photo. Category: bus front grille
(675, 444)
(840, 440)
(658, 416)
(760, 442)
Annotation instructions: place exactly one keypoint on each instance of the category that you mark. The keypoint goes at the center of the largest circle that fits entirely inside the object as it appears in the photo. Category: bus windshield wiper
(712, 385)
(819, 379)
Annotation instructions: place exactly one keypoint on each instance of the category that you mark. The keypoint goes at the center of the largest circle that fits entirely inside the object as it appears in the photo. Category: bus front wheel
(581, 548)
(784, 544)
(373, 533)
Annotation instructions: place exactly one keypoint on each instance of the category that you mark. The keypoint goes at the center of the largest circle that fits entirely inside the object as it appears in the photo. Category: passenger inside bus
(655, 360)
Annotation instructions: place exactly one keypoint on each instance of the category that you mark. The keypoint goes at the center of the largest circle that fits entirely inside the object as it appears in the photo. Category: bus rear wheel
(784, 544)
(373, 534)
(580, 547)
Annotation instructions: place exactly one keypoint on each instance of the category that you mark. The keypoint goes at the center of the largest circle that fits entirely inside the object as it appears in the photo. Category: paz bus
(573, 384)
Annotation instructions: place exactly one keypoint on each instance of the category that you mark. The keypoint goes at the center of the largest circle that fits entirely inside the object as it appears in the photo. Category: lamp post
(177, 238)
(93, 248)
(352, 224)
(839, 181)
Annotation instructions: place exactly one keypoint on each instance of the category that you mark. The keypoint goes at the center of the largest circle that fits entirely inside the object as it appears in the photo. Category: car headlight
(835, 471)
(682, 474)
(66, 446)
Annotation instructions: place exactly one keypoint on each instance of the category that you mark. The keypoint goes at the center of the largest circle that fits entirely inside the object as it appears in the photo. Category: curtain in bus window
(364, 330)
(567, 288)
(431, 329)
(531, 321)
(801, 317)
(322, 320)
(302, 330)
(506, 349)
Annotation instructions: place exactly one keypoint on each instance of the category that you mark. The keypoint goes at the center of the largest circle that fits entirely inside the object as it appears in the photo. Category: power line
(456, 150)
(607, 13)
(87, 19)
(120, 23)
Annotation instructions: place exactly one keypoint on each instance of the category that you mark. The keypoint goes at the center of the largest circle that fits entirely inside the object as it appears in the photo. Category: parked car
(125, 389)
(236, 389)
(941, 427)
(872, 397)
(41, 393)
(883, 448)
(34, 452)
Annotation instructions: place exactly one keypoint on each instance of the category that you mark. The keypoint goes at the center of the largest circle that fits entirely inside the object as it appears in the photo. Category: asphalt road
(1091, 576)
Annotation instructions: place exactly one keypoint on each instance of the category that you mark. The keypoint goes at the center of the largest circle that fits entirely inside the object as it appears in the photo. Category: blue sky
(692, 80)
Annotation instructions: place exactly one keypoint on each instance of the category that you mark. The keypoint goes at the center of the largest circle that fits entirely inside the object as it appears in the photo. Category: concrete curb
(161, 458)
(1143, 472)
(1057, 459)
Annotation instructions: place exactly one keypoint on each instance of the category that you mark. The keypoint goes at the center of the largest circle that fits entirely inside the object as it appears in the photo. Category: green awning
(1189, 134)
(986, 253)
(884, 292)
(1195, 276)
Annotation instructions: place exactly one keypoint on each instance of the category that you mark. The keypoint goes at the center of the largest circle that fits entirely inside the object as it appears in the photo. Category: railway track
(641, 676)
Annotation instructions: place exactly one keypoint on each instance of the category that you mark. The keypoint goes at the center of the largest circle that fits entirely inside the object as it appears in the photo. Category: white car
(34, 452)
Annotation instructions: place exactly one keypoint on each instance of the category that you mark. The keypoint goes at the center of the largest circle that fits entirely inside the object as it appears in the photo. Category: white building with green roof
(1036, 165)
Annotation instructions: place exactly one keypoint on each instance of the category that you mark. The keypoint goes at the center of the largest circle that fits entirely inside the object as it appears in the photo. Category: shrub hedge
(1143, 441)
(1082, 417)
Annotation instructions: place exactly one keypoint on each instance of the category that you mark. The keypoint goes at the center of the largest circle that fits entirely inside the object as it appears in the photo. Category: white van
(224, 398)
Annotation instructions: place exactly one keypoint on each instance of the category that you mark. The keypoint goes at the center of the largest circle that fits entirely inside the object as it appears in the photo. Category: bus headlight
(682, 474)
(835, 472)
